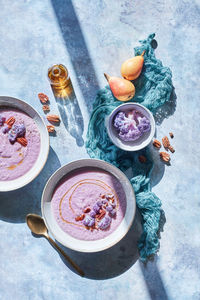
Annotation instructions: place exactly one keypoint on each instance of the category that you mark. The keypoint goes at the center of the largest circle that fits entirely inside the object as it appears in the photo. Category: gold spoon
(37, 226)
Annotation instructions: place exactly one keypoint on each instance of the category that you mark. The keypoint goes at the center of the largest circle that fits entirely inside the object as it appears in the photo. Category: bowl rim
(45, 156)
(78, 248)
(109, 127)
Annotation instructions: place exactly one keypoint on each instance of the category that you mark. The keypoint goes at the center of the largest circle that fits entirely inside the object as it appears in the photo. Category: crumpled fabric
(153, 89)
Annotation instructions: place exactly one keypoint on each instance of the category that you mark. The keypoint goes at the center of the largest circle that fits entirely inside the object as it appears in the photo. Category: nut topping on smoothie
(80, 218)
(10, 122)
(103, 208)
(16, 132)
(20, 143)
(87, 210)
(23, 141)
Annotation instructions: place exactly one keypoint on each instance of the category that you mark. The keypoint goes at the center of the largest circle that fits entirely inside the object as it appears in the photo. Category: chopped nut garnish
(171, 135)
(80, 218)
(166, 142)
(50, 128)
(46, 108)
(165, 156)
(53, 118)
(10, 122)
(142, 158)
(157, 144)
(43, 98)
(101, 215)
(87, 210)
(23, 141)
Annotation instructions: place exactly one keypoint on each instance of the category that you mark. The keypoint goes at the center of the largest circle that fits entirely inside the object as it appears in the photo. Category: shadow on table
(158, 166)
(111, 262)
(77, 49)
(153, 280)
(167, 109)
(70, 113)
(15, 205)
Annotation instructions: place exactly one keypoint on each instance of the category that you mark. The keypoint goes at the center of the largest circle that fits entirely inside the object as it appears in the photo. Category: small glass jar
(60, 81)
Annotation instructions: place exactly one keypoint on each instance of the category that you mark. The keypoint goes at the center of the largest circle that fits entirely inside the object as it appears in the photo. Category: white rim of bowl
(153, 127)
(103, 247)
(47, 153)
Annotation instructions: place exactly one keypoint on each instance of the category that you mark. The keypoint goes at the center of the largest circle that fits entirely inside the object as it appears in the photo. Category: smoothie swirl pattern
(89, 203)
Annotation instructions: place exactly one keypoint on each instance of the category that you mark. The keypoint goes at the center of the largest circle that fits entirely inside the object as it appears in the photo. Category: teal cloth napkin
(153, 89)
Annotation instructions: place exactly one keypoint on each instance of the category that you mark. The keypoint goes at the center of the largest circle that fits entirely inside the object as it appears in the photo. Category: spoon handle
(66, 256)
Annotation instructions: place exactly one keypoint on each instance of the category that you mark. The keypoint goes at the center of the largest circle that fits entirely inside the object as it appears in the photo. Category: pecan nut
(142, 158)
(46, 108)
(10, 122)
(23, 141)
(53, 118)
(101, 215)
(166, 142)
(87, 210)
(157, 144)
(80, 217)
(171, 149)
(43, 98)
(50, 128)
(165, 156)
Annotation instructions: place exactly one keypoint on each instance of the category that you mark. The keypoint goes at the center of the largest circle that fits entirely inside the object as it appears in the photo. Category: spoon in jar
(37, 226)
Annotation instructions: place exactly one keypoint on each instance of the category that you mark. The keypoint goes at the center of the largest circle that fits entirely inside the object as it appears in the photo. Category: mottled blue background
(92, 37)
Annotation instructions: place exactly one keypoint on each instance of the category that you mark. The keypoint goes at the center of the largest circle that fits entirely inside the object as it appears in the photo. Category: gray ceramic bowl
(138, 144)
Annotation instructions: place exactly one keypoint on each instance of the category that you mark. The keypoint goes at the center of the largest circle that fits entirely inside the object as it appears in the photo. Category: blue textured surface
(92, 39)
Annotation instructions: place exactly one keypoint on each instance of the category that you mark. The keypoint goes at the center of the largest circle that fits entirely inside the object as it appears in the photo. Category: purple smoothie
(87, 189)
(16, 160)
